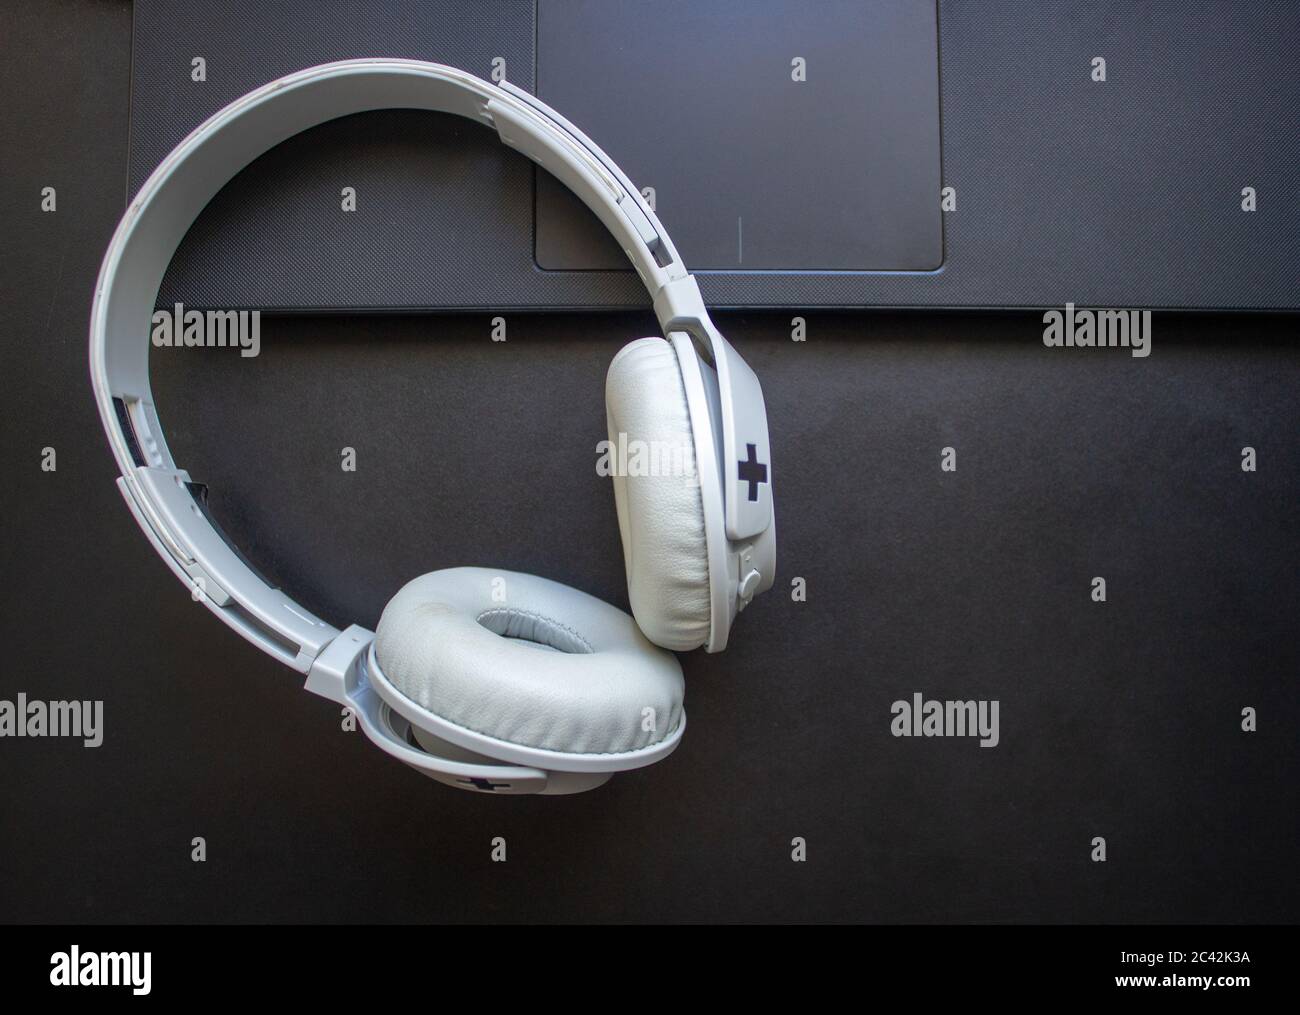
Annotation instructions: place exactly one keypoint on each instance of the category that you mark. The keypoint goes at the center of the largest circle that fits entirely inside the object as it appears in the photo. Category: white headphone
(482, 679)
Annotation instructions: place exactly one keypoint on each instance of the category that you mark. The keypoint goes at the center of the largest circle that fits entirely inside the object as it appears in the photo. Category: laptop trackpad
(775, 134)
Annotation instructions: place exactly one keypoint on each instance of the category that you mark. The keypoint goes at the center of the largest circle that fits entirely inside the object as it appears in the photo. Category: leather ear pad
(661, 516)
(528, 661)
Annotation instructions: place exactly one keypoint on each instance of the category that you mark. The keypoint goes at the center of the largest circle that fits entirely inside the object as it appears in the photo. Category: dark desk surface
(1119, 720)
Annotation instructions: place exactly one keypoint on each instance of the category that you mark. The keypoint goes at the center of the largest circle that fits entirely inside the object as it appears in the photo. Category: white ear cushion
(528, 661)
(661, 517)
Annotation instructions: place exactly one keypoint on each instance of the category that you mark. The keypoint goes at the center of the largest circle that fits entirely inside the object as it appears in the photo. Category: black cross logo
(752, 471)
(486, 784)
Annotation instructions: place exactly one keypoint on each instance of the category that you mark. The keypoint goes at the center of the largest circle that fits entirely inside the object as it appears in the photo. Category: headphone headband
(161, 496)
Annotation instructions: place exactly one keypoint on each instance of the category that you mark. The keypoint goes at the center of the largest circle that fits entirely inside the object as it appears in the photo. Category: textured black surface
(1126, 193)
(1119, 720)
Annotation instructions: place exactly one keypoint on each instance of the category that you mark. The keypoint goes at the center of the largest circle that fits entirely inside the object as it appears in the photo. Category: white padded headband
(162, 497)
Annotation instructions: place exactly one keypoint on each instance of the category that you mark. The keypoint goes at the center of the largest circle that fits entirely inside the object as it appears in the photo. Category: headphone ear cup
(657, 495)
(549, 668)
